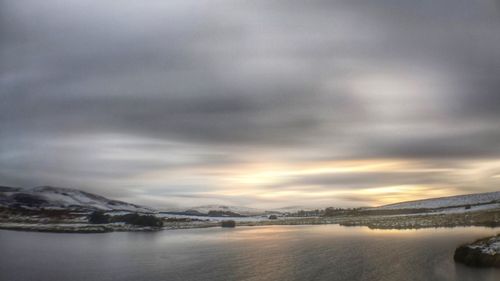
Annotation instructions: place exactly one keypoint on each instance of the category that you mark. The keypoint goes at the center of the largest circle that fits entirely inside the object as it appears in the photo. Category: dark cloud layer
(201, 84)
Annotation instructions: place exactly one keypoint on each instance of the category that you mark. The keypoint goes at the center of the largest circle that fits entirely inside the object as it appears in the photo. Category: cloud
(98, 94)
(360, 180)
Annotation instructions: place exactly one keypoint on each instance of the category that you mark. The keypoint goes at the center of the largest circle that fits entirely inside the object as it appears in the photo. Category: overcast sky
(256, 103)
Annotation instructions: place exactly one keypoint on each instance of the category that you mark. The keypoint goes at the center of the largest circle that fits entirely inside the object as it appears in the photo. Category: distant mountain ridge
(61, 198)
(446, 202)
(206, 209)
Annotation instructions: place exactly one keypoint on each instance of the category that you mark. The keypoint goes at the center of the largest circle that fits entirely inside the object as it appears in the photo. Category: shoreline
(421, 221)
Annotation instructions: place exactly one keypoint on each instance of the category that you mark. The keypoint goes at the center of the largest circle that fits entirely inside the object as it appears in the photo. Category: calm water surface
(325, 252)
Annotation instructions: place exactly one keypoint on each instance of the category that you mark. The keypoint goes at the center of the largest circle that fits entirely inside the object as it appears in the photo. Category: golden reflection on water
(280, 252)
(273, 231)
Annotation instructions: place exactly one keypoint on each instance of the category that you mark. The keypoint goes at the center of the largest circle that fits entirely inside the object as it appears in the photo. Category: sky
(259, 103)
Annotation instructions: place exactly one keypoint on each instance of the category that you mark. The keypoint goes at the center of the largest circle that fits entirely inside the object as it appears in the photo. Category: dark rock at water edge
(478, 254)
(229, 223)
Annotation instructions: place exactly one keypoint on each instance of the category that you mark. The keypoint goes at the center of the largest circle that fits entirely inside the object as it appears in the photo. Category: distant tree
(140, 220)
(229, 223)
(273, 217)
(330, 212)
(98, 217)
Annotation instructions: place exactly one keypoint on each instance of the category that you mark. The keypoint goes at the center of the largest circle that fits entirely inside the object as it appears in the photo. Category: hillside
(490, 198)
(59, 198)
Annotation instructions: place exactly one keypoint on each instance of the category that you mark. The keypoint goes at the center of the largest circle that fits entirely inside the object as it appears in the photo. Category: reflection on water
(324, 252)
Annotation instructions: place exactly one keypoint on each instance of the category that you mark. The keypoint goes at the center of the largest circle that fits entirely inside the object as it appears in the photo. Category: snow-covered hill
(447, 202)
(48, 197)
(293, 209)
(223, 208)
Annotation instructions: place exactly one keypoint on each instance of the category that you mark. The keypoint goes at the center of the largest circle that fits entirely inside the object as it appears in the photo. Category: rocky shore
(481, 253)
(488, 218)
(75, 227)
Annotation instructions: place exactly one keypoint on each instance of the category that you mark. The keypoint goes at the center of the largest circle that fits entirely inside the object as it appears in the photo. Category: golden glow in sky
(329, 183)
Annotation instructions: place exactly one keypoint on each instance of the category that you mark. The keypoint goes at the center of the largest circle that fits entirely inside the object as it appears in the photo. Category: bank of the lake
(489, 218)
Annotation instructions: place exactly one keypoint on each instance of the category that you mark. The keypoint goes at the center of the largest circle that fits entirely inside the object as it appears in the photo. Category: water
(324, 252)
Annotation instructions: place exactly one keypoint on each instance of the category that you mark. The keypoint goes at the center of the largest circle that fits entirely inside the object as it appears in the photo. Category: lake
(321, 252)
